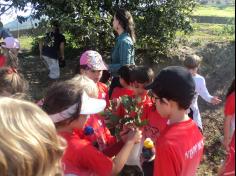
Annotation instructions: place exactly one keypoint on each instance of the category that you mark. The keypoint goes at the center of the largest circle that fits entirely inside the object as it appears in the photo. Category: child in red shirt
(179, 148)
(100, 135)
(229, 111)
(140, 77)
(92, 66)
(124, 78)
(69, 107)
(228, 167)
(156, 124)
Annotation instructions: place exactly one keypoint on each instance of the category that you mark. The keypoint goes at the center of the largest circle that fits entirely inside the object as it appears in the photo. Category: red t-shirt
(230, 105)
(229, 169)
(103, 92)
(179, 150)
(82, 158)
(2, 61)
(119, 92)
(102, 134)
(156, 123)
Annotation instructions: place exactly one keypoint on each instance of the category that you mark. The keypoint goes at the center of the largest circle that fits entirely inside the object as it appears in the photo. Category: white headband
(89, 106)
(66, 114)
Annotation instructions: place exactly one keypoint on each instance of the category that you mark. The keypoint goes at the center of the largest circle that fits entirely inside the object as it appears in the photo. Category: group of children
(66, 133)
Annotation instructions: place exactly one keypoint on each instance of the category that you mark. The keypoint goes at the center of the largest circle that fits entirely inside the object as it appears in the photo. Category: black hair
(126, 21)
(62, 95)
(56, 24)
(142, 74)
(125, 71)
(79, 67)
(231, 88)
(175, 83)
(183, 103)
(106, 76)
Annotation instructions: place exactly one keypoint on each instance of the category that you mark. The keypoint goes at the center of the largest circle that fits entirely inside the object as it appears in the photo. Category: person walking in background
(51, 49)
(123, 51)
(192, 63)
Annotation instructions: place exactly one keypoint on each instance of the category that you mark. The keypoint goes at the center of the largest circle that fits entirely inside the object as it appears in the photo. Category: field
(210, 32)
(218, 11)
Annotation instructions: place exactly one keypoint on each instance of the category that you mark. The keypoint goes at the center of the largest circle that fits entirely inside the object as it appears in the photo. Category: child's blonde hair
(86, 85)
(12, 82)
(29, 144)
(192, 61)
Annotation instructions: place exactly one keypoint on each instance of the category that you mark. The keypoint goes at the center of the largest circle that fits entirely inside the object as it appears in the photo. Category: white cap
(11, 43)
(89, 106)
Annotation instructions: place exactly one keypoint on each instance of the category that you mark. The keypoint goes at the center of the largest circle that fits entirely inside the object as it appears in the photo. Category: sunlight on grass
(208, 33)
(217, 11)
(26, 42)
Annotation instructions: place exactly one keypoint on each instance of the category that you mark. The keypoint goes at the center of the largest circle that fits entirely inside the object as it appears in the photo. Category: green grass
(217, 11)
(208, 33)
(26, 42)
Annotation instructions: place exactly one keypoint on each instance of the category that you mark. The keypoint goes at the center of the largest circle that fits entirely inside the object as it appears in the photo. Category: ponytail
(12, 82)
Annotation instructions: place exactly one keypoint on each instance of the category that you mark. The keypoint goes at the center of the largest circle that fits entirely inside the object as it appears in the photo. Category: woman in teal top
(123, 52)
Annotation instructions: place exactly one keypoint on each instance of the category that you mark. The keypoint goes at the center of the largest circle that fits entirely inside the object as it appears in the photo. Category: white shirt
(201, 90)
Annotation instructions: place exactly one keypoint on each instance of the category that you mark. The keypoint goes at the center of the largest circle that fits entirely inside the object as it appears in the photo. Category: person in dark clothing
(51, 50)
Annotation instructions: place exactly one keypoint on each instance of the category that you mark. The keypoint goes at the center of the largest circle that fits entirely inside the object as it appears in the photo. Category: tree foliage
(89, 21)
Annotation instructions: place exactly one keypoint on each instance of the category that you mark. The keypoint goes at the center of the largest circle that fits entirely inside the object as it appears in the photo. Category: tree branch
(10, 6)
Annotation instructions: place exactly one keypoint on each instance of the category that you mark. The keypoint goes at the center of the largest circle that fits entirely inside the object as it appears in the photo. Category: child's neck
(178, 116)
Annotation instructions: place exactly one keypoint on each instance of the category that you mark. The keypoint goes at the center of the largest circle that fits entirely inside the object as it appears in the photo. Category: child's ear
(135, 84)
(82, 71)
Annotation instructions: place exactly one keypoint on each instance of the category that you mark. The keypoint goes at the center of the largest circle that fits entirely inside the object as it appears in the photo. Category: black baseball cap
(174, 83)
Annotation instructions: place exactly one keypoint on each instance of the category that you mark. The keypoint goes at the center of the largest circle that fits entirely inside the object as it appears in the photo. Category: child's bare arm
(204, 93)
(122, 156)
